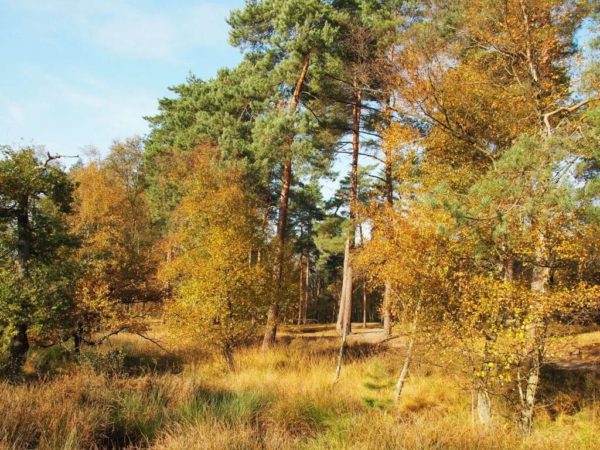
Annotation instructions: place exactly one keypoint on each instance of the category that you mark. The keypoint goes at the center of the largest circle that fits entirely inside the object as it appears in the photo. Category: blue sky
(80, 73)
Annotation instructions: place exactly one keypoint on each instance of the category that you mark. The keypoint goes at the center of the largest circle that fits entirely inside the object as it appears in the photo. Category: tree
(36, 268)
(512, 56)
(290, 35)
(220, 286)
(118, 252)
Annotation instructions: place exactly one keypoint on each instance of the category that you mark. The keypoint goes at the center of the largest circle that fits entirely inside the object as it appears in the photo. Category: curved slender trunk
(409, 354)
(405, 368)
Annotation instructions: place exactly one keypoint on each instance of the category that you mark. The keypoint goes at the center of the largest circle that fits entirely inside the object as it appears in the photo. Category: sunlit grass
(282, 399)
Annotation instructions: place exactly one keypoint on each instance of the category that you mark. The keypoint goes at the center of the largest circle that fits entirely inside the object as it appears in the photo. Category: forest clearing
(377, 228)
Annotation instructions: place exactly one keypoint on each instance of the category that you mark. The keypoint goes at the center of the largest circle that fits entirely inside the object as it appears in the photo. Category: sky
(80, 73)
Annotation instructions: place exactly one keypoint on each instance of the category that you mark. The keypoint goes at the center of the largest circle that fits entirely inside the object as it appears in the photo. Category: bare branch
(50, 158)
(564, 109)
(361, 154)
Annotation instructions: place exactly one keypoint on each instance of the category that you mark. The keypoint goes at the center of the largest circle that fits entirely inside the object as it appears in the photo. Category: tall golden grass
(132, 395)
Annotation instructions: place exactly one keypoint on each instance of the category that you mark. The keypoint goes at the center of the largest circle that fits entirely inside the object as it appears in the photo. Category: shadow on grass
(568, 390)
(328, 348)
(138, 364)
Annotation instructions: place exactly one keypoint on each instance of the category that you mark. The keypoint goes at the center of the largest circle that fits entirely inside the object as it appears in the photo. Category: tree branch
(567, 110)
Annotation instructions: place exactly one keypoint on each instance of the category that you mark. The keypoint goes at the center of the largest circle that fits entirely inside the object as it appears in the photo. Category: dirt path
(579, 353)
(372, 334)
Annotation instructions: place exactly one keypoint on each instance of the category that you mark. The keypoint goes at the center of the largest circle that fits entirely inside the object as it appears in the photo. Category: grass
(280, 400)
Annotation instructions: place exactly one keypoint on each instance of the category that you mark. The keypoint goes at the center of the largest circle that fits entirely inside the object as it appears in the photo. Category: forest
(381, 230)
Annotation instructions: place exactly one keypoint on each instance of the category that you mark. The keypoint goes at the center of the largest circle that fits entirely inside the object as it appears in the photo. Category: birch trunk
(539, 285)
(405, 368)
(408, 358)
(389, 197)
(484, 406)
(387, 315)
(342, 307)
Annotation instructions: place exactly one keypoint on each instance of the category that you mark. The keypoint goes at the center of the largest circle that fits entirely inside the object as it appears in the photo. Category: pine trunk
(302, 290)
(345, 315)
(306, 291)
(364, 321)
(284, 199)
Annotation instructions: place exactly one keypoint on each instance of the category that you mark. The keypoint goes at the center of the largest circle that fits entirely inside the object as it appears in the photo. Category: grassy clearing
(132, 395)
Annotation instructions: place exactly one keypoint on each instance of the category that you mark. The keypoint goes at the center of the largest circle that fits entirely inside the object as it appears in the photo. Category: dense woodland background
(462, 245)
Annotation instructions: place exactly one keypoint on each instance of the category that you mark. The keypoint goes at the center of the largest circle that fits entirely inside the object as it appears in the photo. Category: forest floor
(129, 393)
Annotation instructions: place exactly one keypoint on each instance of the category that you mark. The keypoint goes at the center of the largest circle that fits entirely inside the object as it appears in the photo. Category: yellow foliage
(221, 285)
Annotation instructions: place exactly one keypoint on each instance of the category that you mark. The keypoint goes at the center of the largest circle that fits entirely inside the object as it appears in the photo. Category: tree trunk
(342, 305)
(484, 402)
(19, 342)
(23, 236)
(228, 357)
(18, 347)
(364, 321)
(405, 368)
(346, 302)
(346, 295)
(338, 368)
(387, 315)
(408, 358)
(347, 319)
(284, 198)
(484, 405)
(509, 269)
(389, 197)
(306, 291)
(302, 290)
(539, 285)
(77, 340)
